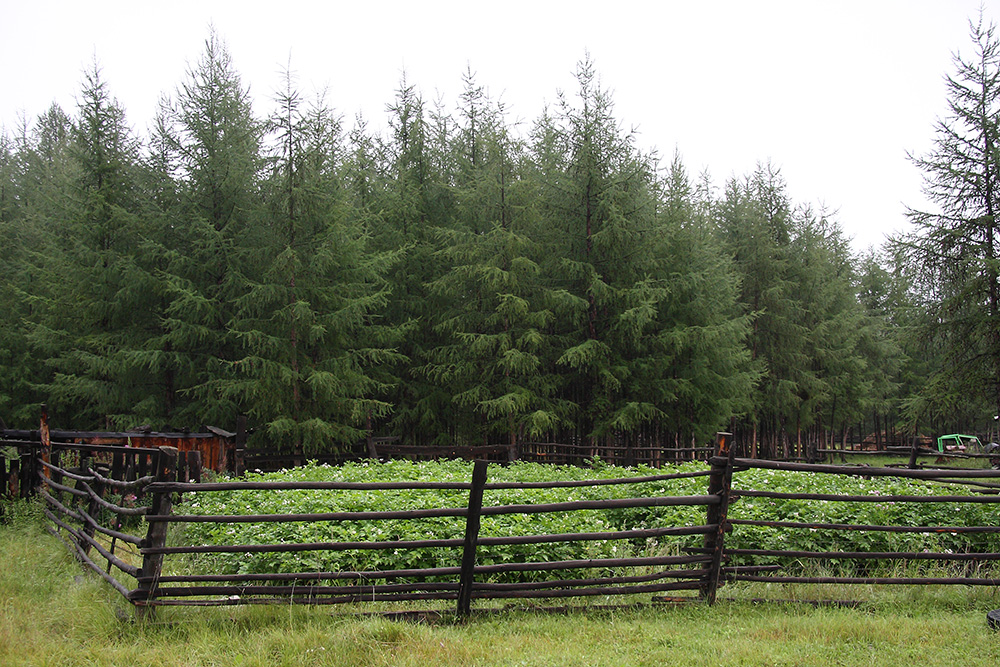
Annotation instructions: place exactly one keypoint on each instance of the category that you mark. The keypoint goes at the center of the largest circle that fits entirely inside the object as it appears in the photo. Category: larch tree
(832, 384)
(697, 367)
(18, 366)
(85, 226)
(600, 234)
(412, 205)
(43, 175)
(103, 303)
(308, 326)
(957, 244)
(495, 318)
(754, 218)
(215, 146)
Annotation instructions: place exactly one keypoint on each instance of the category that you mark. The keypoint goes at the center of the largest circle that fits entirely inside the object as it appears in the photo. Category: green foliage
(240, 502)
(20, 514)
(305, 323)
(952, 250)
(61, 615)
(865, 514)
(458, 279)
(751, 537)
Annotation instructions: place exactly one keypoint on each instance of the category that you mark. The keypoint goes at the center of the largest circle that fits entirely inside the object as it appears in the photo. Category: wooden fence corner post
(156, 535)
(45, 441)
(472, 522)
(719, 484)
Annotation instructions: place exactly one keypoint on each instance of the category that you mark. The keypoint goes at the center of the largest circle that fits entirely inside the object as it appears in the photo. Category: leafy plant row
(313, 501)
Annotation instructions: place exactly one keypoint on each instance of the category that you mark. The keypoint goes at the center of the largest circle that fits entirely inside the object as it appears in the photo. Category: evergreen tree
(17, 365)
(100, 306)
(755, 223)
(607, 248)
(892, 374)
(308, 326)
(494, 320)
(413, 206)
(698, 367)
(214, 140)
(825, 287)
(957, 246)
(47, 178)
(152, 352)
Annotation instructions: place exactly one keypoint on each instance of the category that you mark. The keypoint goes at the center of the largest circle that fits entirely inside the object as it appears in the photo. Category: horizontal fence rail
(101, 520)
(468, 579)
(116, 508)
(856, 567)
(82, 516)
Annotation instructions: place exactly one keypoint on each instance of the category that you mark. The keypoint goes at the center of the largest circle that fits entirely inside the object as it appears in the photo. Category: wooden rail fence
(102, 519)
(538, 452)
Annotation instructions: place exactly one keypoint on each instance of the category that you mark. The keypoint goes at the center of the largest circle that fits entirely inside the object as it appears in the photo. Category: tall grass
(54, 613)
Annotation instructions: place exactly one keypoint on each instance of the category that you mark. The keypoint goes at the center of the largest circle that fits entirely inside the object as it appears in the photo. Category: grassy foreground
(52, 613)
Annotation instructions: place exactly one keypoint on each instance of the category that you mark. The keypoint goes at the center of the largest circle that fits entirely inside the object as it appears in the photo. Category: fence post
(93, 508)
(914, 449)
(237, 465)
(156, 536)
(26, 472)
(55, 458)
(14, 478)
(194, 466)
(45, 452)
(719, 483)
(472, 522)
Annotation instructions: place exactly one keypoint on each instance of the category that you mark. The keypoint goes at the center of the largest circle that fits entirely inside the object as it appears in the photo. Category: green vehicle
(958, 443)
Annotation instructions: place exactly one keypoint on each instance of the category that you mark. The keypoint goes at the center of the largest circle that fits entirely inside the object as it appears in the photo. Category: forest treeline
(454, 278)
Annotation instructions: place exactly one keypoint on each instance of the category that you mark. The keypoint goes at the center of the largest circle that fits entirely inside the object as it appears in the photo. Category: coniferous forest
(459, 278)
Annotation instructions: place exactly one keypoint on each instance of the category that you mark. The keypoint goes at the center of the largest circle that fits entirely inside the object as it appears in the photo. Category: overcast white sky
(833, 92)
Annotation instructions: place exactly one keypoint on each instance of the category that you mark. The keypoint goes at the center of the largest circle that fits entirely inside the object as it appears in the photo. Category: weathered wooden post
(29, 470)
(55, 459)
(181, 474)
(237, 465)
(156, 535)
(117, 466)
(194, 466)
(45, 453)
(369, 441)
(93, 508)
(24, 465)
(719, 484)
(914, 450)
(472, 522)
(9, 481)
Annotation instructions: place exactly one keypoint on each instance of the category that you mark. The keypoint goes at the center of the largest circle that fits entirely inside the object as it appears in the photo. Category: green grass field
(53, 613)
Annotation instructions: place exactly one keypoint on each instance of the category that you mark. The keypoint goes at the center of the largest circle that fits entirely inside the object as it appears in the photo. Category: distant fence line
(87, 510)
(226, 452)
(385, 448)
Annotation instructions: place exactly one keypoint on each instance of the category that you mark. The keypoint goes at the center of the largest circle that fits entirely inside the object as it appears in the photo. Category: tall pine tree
(214, 139)
(957, 246)
(308, 327)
